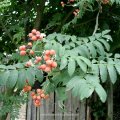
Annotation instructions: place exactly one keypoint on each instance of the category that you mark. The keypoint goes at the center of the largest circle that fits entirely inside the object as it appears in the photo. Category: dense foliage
(81, 32)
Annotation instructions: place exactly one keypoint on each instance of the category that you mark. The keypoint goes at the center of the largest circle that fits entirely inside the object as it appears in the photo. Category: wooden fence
(50, 109)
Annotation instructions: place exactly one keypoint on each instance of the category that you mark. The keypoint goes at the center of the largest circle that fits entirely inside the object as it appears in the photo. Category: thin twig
(96, 25)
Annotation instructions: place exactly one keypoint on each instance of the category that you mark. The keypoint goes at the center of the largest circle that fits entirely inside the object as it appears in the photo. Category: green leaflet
(30, 75)
(84, 87)
(39, 75)
(12, 79)
(21, 78)
(101, 92)
(105, 32)
(61, 93)
(92, 49)
(87, 61)
(99, 47)
(112, 73)
(82, 65)
(63, 63)
(105, 43)
(103, 72)
(4, 77)
(71, 66)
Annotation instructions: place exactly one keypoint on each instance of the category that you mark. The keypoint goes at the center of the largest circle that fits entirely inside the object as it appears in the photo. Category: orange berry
(47, 52)
(52, 52)
(36, 61)
(47, 69)
(22, 53)
(38, 32)
(37, 101)
(34, 38)
(30, 35)
(46, 57)
(42, 95)
(34, 97)
(42, 67)
(28, 64)
(23, 47)
(49, 62)
(34, 31)
(38, 97)
(32, 94)
(54, 65)
(30, 44)
(38, 58)
(39, 90)
(31, 52)
(37, 104)
(29, 88)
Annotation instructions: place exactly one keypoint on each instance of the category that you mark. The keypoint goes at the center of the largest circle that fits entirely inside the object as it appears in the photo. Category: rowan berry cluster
(46, 61)
(24, 49)
(105, 1)
(38, 96)
(36, 35)
(69, 3)
(49, 63)
(76, 11)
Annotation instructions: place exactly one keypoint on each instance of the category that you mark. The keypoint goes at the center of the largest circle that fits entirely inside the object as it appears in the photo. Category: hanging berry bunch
(44, 62)
(38, 96)
(105, 1)
(71, 3)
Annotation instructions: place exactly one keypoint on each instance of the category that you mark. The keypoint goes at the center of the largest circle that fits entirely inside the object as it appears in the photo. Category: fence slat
(33, 108)
(58, 113)
(50, 105)
(75, 108)
(29, 108)
(68, 102)
(38, 113)
(82, 112)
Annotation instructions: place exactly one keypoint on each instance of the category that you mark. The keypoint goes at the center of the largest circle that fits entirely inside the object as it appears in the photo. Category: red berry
(22, 53)
(42, 95)
(47, 52)
(32, 94)
(47, 69)
(54, 65)
(34, 38)
(28, 64)
(34, 31)
(23, 47)
(31, 52)
(49, 62)
(38, 97)
(52, 52)
(42, 67)
(30, 35)
(30, 44)
(38, 58)
(46, 58)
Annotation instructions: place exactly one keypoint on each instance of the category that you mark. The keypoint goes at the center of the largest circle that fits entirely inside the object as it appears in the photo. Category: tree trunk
(110, 102)
(39, 10)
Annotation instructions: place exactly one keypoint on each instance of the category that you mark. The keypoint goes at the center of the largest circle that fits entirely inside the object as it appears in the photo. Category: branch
(64, 20)
(96, 25)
